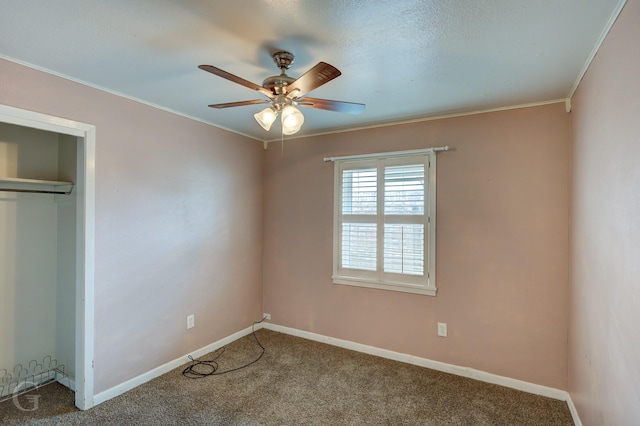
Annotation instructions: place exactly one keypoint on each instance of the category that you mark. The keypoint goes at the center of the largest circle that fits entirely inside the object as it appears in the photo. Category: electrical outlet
(266, 316)
(442, 329)
(191, 321)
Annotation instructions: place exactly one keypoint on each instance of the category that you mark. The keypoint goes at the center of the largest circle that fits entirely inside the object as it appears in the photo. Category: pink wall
(169, 190)
(178, 224)
(502, 248)
(604, 340)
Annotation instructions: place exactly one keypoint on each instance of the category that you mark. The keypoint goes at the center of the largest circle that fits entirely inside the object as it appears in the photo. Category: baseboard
(165, 368)
(371, 350)
(471, 373)
(574, 411)
(68, 383)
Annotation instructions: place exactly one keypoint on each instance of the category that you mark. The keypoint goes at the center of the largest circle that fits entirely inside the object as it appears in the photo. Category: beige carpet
(297, 382)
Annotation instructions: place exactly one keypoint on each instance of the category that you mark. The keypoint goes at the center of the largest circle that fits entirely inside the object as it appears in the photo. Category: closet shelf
(34, 185)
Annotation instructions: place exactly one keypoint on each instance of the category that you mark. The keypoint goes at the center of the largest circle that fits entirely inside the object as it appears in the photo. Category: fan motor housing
(277, 83)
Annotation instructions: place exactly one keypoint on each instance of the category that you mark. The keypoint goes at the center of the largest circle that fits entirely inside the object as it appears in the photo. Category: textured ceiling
(404, 59)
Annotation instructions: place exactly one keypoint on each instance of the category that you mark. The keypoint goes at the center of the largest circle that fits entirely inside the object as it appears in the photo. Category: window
(384, 222)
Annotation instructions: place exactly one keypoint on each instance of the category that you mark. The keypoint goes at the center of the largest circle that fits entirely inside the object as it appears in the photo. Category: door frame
(85, 237)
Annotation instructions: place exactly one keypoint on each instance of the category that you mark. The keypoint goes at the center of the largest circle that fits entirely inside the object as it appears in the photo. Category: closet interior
(38, 271)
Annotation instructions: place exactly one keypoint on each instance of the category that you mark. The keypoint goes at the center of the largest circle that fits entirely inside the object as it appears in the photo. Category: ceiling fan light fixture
(266, 117)
(283, 92)
(291, 131)
(292, 120)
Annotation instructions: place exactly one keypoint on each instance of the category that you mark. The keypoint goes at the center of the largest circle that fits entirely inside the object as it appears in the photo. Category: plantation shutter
(359, 209)
(384, 222)
(404, 202)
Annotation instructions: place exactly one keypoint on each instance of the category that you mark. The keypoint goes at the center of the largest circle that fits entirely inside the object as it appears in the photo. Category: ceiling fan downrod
(278, 83)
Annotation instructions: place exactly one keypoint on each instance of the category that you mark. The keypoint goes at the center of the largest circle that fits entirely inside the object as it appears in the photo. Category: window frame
(418, 284)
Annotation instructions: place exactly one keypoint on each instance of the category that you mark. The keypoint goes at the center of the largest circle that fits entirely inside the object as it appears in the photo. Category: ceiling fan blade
(240, 103)
(317, 76)
(338, 106)
(234, 78)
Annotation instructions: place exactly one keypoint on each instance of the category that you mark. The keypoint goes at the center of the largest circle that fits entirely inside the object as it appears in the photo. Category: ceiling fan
(284, 93)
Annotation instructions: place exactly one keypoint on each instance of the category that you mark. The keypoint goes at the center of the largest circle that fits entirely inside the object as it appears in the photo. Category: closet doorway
(73, 139)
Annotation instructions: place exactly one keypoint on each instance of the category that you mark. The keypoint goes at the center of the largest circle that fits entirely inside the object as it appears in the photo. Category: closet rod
(36, 191)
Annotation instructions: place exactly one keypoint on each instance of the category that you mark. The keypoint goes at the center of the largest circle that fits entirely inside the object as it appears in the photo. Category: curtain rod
(390, 154)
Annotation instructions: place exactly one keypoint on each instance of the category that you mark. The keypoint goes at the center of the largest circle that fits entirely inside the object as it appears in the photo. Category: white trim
(385, 285)
(471, 373)
(430, 226)
(574, 411)
(68, 383)
(36, 120)
(85, 272)
(371, 350)
(84, 334)
(165, 368)
(596, 47)
(420, 120)
(388, 154)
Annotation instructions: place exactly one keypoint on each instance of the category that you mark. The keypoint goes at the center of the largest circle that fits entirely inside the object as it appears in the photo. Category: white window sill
(391, 286)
